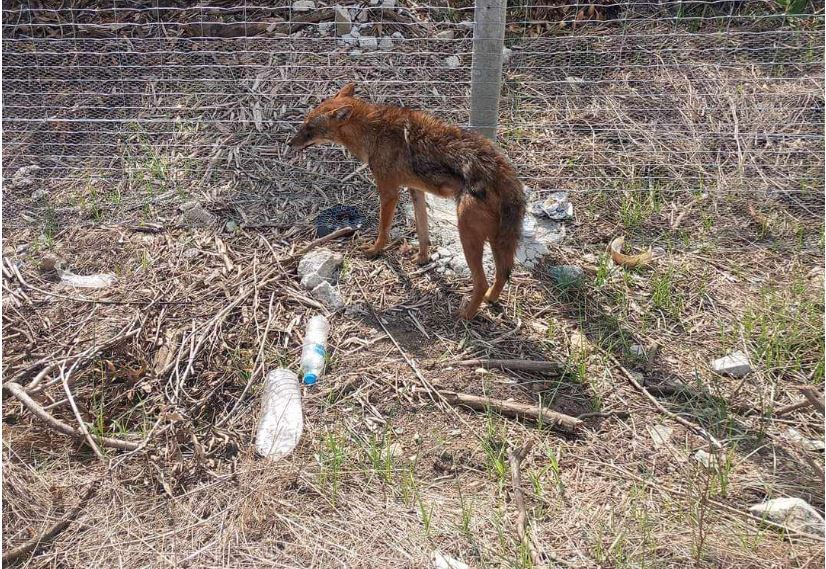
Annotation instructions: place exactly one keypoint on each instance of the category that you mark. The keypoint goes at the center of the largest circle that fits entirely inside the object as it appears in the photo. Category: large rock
(736, 364)
(327, 295)
(793, 513)
(318, 266)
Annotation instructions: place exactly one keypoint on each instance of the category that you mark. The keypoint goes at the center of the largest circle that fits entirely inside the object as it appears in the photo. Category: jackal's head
(324, 122)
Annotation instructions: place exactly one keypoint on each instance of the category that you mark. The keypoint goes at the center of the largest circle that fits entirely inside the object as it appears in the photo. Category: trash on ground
(792, 513)
(282, 420)
(708, 460)
(566, 275)
(442, 561)
(556, 206)
(102, 280)
(629, 261)
(735, 364)
(796, 436)
(338, 217)
(314, 351)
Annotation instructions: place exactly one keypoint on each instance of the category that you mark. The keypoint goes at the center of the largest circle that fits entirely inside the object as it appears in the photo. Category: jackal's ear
(342, 113)
(347, 91)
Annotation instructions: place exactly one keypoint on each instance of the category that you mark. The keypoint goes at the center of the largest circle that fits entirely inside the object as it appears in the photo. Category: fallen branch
(343, 232)
(16, 390)
(813, 395)
(523, 365)
(535, 413)
(515, 458)
(38, 541)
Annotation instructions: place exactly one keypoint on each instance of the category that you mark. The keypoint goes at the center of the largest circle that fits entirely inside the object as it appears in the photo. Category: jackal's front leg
(422, 231)
(388, 200)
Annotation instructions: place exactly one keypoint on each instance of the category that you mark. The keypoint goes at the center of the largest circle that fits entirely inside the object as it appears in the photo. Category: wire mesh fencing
(137, 100)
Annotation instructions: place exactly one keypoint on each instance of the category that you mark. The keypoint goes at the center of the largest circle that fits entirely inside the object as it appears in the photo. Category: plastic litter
(338, 217)
(282, 420)
(87, 281)
(314, 352)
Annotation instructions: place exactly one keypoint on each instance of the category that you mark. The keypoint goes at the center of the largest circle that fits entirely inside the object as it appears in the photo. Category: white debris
(385, 44)
(282, 421)
(368, 43)
(736, 364)
(324, 28)
(343, 22)
(303, 5)
(466, 24)
(637, 350)
(398, 36)
(40, 194)
(793, 513)
(809, 444)
(556, 206)
(506, 54)
(453, 62)
(348, 39)
(388, 4)
(102, 280)
(442, 561)
(445, 35)
(708, 460)
(328, 296)
(660, 435)
(321, 262)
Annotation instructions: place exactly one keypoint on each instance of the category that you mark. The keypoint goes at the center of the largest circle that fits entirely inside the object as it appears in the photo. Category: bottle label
(319, 349)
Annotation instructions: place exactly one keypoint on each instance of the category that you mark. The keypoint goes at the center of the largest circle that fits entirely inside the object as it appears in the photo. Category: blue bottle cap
(310, 378)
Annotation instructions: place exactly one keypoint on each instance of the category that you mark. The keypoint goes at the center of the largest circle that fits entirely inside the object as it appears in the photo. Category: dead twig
(684, 422)
(51, 532)
(515, 457)
(813, 395)
(522, 365)
(343, 232)
(16, 390)
(535, 413)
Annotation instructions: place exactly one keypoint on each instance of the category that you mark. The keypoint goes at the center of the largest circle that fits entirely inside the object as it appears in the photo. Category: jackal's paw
(422, 259)
(465, 313)
(491, 297)
(371, 251)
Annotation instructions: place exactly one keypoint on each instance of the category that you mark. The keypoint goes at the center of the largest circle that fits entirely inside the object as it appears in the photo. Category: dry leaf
(629, 261)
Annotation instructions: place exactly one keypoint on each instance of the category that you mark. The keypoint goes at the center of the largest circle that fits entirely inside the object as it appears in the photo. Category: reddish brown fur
(411, 148)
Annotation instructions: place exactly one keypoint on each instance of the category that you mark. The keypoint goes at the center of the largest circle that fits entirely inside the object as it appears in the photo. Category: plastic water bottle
(315, 349)
(282, 421)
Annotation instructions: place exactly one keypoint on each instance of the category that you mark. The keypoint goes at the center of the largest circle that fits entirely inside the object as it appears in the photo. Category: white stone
(397, 36)
(453, 62)
(368, 43)
(303, 5)
(324, 28)
(506, 54)
(792, 513)
(311, 281)
(343, 21)
(349, 39)
(386, 44)
(355, 53)
(637, 350)
(445, 252)
(356, 31)
(809, 444)
(445, 35)
(736, 364)
(708, 460)
(321, 262)
(660, 435)
(388, 4)
(328, 296)
(24, 176)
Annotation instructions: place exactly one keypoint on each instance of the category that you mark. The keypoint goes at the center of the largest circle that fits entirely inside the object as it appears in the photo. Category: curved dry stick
(20, 394)
(17, 552)
(515, 457)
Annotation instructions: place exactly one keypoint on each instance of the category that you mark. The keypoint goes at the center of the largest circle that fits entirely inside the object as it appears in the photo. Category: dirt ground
(171, 357)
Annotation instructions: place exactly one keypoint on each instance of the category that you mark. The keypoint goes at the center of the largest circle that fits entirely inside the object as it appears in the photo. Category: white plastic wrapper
(282, 419)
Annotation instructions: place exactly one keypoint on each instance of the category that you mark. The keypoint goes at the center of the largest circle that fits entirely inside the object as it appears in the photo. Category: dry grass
(743, 238)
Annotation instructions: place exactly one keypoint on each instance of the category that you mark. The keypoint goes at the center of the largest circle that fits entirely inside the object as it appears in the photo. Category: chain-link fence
(666, 96)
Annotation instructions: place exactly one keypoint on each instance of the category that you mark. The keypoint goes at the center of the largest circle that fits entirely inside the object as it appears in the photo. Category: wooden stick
(515, 457)
(17, 552)
(343, 232)
(535, 413)
(685, 423)
(785, 410)
(20, 394)
(524, 365)
(815, 398)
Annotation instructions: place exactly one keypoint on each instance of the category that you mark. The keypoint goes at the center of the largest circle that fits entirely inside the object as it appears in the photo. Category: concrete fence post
(486, 70)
